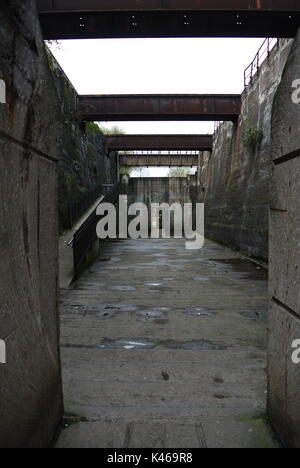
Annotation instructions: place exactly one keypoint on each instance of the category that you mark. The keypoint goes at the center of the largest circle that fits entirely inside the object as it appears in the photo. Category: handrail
(78, 207)
(263, 53)
(86, 235)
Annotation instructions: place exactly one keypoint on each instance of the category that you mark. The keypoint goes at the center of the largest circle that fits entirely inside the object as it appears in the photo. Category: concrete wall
(236, 178)
(30, 125)
(161, 189)
(284, 316)
(84, 160)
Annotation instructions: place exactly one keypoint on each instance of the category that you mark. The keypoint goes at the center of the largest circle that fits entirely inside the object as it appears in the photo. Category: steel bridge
(159, 160)
(159, 107)
(83, 19)
(160, 143)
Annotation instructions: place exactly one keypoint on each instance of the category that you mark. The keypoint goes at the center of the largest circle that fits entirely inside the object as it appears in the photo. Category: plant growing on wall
(252, 137)
(126, 170)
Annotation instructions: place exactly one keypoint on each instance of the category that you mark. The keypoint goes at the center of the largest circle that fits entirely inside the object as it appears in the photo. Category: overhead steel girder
(159, 142)
(49, 6)
(158, 160)
(159, 107)
(71, 19)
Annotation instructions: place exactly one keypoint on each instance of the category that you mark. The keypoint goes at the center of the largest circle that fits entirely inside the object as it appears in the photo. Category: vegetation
(126, 170)
(252, 137)
(134, 171)
(92, 129)
(115, 130)
(49, 46)
(53, 43)
(179, 172)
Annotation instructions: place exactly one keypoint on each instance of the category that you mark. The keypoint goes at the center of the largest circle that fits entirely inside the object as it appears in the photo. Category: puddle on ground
(199, 312)
(127, 344)
(104, 311)
(153, 285)
(149, 313)
(143, 343)
(105, 314)
(152, 316)
(122, 288)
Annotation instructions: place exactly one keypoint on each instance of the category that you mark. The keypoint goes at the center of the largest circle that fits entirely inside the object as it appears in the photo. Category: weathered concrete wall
(237, 177)
(284, 316)
(161, 190)
(84, 160)
(30, 125)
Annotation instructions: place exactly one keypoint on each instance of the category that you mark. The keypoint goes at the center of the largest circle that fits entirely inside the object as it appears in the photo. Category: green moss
(252, 137)
(263, 436)
(51, 60)
(67, 93)
(126, 170)
(92, 129)
(70, 419)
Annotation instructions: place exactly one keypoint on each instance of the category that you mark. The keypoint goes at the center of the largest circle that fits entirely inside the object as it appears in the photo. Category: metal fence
(77, 208)
(259, 58)
(86, 235)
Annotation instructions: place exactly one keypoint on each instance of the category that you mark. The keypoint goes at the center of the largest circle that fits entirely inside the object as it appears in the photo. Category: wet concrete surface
(163, 347)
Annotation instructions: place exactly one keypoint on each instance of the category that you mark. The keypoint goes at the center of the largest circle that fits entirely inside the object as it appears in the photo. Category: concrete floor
(163, 347)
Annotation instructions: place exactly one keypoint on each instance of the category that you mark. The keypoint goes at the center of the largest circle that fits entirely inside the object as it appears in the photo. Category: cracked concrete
(175, 364)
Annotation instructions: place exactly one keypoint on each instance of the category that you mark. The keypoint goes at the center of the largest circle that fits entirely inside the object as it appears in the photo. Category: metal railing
(86, 235)
(259, 58)
(77, 208)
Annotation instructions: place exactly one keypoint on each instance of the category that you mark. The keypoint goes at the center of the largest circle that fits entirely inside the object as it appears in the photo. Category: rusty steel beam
(159, 142)
(159, 107)
(83, 19)
(48, 6)
(158, 160)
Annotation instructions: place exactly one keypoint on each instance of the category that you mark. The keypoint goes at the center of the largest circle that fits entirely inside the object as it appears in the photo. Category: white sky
(157, 66)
